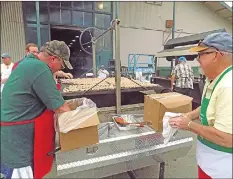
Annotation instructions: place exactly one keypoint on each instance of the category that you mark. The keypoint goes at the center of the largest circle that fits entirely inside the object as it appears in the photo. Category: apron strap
(17, 123)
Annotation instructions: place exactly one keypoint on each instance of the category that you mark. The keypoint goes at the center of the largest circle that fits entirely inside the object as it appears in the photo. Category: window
(102, 20)
(77, 18)
(87, 5)
(55, 3)
(55, 15)
(108, 40)
(66, 4)
(87, 19)
(65, 16)
(82, 18)
(104, 6)
(31, 33)
(43, 3)
(30, 12)
(44, 15)
(44, 32)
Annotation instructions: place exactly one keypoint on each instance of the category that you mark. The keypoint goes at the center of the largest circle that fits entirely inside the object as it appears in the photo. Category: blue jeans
(7, 172)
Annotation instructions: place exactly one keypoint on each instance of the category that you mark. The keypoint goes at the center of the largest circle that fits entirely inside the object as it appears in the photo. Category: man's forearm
(212, 134)
(193, 114)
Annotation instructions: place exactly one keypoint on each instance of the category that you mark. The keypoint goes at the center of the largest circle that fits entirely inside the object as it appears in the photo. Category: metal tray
(128, 118)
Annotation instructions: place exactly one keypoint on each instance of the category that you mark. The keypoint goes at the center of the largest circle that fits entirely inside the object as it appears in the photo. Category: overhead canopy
(176, 52)
(189, 40)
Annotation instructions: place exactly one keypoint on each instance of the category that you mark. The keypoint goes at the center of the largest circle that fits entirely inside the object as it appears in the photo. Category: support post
(156, 66)
(161, 170)
(117, 67)
(117, 61)
(132, 175)
(174, 19)
(173, 26)
(94, 58)
(38, 23)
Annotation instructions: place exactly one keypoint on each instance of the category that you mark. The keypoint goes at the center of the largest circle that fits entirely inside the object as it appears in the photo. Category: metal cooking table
(121, 151)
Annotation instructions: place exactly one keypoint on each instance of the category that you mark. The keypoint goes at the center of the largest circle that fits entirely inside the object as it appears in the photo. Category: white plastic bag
(82, 110)
(168, 131)
(86, 103)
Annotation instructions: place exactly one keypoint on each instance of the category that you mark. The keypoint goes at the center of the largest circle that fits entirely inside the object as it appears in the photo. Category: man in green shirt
(29, 92)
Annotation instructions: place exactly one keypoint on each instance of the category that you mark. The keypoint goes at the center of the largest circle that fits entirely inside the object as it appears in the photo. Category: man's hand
(208, 132)
(180, 122)
(63, 75)
(68, 75)
(183, 121)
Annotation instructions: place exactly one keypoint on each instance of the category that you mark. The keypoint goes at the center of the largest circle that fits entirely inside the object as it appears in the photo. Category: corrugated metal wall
(12, 30)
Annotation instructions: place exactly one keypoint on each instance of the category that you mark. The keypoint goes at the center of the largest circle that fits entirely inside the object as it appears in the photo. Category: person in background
(6, 62)
(182, 76)
(30, 48)
(214, 127)
(6, 68)
(29, 100)
(103, 73)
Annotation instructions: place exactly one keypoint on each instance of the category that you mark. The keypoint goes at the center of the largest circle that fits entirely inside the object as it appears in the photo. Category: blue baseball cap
(182, 59)
(221, 41)
(5, 55)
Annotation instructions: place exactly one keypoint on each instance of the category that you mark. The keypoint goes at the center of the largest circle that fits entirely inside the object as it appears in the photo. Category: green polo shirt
(29, 90)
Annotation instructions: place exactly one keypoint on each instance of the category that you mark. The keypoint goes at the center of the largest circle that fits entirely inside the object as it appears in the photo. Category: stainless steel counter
(121, 151)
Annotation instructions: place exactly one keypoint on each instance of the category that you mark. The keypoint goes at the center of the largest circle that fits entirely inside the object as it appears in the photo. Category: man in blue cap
(6, 67)
(182, 76)
(214, 127)
(6, 62)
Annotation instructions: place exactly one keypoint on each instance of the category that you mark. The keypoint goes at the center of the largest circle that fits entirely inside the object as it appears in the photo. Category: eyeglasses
(205, 53)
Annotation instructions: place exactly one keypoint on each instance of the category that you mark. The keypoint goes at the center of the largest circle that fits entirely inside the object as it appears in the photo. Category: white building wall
(143, 25)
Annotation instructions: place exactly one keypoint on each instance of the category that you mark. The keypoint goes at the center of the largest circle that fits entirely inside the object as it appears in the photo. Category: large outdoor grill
(103, 93)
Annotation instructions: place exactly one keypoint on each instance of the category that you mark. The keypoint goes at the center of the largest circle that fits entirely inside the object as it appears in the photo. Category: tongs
(121, 121)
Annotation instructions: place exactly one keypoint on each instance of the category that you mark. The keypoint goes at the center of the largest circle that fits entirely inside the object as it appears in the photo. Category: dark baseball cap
(59, 49)
(221, 41)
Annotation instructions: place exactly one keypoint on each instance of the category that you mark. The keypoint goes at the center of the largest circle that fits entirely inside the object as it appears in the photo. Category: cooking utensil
(122, 122)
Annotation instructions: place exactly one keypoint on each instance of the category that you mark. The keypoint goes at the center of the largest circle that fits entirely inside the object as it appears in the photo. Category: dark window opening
(80, 60)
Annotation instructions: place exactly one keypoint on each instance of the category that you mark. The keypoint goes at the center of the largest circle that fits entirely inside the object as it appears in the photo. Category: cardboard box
(84, 134)
(155, 106)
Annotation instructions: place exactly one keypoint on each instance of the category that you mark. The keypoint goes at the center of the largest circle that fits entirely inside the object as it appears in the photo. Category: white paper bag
(168, 131)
